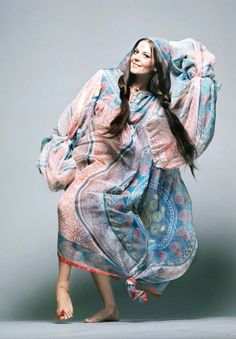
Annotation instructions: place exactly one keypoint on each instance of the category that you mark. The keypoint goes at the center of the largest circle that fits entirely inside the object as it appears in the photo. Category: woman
(116, 151)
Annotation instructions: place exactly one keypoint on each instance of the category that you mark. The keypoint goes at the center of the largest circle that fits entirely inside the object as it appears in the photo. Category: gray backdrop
(49, 48)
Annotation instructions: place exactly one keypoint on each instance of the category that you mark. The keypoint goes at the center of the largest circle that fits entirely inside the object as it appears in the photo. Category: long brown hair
(159, 85)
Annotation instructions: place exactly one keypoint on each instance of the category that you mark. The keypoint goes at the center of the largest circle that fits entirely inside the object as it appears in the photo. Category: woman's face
(142, 59)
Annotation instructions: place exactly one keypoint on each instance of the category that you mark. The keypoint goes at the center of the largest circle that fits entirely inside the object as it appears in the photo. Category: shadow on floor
(206, 289)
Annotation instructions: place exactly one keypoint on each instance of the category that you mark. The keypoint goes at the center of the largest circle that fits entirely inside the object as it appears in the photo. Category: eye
(145, 55)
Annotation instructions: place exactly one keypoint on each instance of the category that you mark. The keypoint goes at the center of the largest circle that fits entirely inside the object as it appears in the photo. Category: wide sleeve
(55, 162)
(193, 99)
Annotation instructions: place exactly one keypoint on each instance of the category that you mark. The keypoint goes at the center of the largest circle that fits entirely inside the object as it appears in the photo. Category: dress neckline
(139, 93)
(136, 89)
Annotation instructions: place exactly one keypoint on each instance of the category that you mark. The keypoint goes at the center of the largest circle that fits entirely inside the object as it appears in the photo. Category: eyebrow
(143, 51)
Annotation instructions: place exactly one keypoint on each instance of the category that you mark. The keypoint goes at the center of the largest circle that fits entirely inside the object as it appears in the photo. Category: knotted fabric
(134, 293)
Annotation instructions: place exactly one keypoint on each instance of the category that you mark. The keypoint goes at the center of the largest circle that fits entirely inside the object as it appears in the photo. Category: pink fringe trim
(116, 277)
(87, 268)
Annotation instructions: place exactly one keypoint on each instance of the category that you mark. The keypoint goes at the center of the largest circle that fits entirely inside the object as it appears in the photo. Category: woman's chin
(135, 71)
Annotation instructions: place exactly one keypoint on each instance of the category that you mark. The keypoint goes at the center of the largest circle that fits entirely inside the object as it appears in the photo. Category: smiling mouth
(136, 65)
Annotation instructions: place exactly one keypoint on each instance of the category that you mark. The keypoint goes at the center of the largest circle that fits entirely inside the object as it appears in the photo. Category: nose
(136, 57)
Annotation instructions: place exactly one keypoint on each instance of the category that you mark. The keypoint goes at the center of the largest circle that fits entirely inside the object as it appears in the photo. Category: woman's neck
(141, 82)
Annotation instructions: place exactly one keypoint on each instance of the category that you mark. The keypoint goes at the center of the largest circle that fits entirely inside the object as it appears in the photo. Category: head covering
(162, 45)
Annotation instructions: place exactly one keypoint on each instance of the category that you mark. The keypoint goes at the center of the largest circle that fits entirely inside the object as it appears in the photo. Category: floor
(221, 327)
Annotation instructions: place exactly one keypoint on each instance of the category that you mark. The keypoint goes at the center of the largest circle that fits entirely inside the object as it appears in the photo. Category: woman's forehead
(144, 46)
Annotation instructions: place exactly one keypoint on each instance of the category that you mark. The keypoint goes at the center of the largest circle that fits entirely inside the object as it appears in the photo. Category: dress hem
(87, 268)
(95, 270)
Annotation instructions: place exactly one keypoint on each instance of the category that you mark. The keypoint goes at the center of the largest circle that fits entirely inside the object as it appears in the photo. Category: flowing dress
(125, 211)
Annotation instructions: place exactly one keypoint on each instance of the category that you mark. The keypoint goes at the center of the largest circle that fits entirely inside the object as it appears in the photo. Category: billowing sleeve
(193, 99)
(55, 162)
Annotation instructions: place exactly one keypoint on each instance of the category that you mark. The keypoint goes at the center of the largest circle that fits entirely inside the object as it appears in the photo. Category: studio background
(49, 49)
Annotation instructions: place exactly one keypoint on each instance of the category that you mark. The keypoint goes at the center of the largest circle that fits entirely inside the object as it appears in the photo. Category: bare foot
(109, 313)
(64, 304)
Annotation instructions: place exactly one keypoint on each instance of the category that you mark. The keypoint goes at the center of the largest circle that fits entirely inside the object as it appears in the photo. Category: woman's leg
(62, 292)
(110, 311)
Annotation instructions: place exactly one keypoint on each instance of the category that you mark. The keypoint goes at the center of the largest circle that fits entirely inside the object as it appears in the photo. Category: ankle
(110, 305)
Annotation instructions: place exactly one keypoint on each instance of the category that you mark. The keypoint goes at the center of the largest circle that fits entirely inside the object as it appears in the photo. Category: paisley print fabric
(125, 211)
